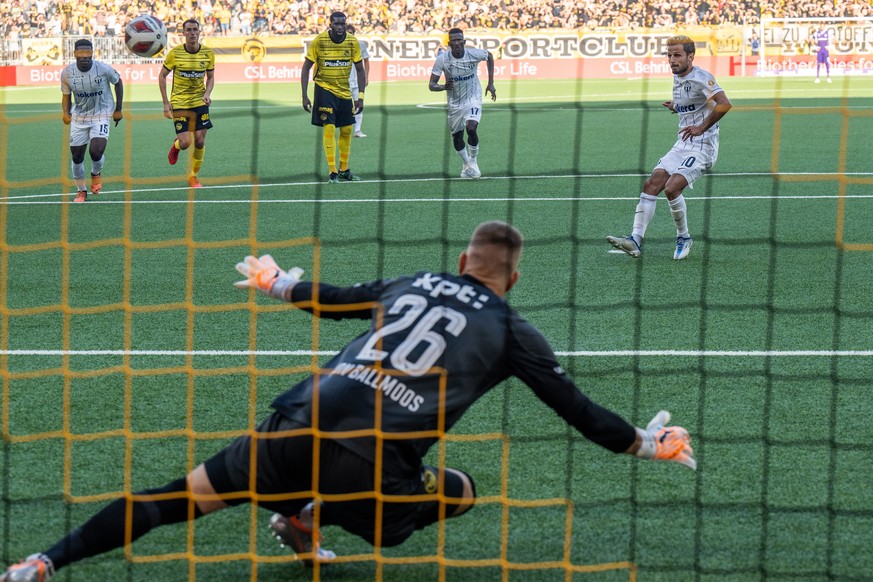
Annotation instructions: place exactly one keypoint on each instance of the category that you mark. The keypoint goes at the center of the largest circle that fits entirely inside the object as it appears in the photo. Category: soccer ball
(145, 36)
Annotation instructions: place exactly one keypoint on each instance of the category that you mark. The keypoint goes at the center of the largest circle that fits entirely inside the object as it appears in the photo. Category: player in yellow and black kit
(334, 53)
(193, 68)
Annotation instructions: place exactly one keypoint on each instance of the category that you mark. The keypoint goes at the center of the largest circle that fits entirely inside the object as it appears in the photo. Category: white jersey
(92, 96)
(464, 72)
(692, 100)
(353, 77)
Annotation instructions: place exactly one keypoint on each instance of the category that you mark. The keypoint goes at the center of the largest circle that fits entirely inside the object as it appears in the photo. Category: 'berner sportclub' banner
(725, 51)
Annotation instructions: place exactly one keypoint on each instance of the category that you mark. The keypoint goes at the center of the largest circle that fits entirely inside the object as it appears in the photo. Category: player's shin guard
(473, 151)
(643, 216)
(345, 146)
(678, 210)
(107, 529)
(197, 162)
(329, 141)
(79, 175)
(97, 165)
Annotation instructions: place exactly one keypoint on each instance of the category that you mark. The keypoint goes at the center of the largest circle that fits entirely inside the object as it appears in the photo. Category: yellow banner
(42, 51)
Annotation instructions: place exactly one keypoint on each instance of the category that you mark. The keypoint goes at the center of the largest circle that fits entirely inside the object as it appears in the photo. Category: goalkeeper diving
(434, 344)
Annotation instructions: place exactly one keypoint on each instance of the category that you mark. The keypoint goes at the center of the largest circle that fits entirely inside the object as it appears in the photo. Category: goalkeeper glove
(666, 443)
(265, 275)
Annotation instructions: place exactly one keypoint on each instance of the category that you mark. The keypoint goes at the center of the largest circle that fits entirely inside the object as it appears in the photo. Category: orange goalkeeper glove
(265, 275)
(666, 443)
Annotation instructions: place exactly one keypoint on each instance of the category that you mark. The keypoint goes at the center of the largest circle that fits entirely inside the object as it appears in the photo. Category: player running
(193, 68)
(88, 80)
(700, 103)
(464, 93)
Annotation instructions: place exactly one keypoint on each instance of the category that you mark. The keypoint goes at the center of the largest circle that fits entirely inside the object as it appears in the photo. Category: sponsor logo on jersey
(436, 286)
(336, 63)
(685, 108)
(192, 74)
(85, 94)
(464, 77)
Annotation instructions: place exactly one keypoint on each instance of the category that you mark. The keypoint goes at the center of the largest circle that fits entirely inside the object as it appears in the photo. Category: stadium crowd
(46, 18)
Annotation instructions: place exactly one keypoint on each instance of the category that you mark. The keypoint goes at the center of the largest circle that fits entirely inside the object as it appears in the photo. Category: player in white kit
(353, 83)
(700, 103)
(464, 92)
(87, 82)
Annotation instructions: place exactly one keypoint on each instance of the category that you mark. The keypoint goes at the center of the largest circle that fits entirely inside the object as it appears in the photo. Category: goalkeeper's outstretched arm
(264, 275)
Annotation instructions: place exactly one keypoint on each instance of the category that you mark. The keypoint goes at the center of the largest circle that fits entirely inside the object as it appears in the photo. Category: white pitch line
(576, 354)
(31, 198)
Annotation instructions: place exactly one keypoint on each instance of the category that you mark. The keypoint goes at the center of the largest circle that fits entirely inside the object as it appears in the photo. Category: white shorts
(459, 116)
(691, 164)
(82, 132)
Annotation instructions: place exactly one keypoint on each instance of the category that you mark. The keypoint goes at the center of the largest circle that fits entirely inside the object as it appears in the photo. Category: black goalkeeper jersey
(436, 343)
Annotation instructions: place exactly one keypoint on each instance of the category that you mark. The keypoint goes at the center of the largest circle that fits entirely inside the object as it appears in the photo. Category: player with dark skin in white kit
(88, 108)
(464, 95)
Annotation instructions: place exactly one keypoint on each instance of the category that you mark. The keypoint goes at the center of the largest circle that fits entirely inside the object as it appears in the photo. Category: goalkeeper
(436, 342)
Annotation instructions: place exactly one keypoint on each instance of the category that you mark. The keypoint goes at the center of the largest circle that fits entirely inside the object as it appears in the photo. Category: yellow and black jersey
(334, 62)
(189, 75)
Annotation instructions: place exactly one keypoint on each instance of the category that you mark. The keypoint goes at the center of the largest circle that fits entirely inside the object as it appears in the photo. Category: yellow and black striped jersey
(334, 62)
(189, 75)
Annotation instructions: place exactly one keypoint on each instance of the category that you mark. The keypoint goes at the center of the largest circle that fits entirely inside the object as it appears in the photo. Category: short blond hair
(687, 44)
(495, 247)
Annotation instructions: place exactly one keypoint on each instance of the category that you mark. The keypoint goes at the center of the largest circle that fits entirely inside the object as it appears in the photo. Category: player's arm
(362, 82)
(366, 71)
(117, 115)
(264, 275)
(304, 83)
(434, 84)
(162, 85)
(533, 361)
(66, 108)
(489, 88)
(722, 106)
(210, 84)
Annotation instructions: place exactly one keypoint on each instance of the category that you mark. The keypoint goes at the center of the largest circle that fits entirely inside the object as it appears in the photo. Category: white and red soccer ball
(145, 36)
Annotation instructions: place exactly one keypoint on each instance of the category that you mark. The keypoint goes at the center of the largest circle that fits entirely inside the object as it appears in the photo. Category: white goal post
(787, 48)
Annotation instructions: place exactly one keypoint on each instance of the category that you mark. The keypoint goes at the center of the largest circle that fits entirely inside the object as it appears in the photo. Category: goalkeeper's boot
(683, 247)
(193, 182)
(347, 176)
(81, 196)
(96, 184)
(35, 568)
(173, 155)
(628, 244)
(333, 179)
(292, 533)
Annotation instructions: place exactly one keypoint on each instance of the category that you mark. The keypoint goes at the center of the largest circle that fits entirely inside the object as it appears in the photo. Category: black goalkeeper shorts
(284, 479)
